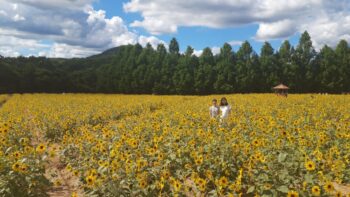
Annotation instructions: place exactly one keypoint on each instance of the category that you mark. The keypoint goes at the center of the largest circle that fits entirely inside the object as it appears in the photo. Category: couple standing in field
(224, 109)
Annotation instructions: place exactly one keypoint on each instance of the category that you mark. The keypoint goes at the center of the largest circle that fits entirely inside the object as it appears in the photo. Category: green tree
(303, 58)
(225, 73)
(183, 77)
(248, 69)
(205, 74)
(342, 59)
(270, 69)
(328, 69)
(174, 47)
(288, 68)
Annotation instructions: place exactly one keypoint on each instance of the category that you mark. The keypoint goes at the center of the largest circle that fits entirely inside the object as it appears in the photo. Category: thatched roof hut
(281, 89)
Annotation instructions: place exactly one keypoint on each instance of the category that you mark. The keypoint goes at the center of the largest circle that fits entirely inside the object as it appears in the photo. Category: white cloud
(235, 42)
(326, 20)
(74, 27)
(45, 4)
(11, 45)
(215, 50)
(18, 17)
(68, 51)
(155, 26)
(330, 29)
(3, 13)
(154, 41)
(197, 52)
(279, 29)
(15, 6)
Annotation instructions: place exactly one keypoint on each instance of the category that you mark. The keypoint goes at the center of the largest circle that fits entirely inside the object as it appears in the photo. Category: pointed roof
(281, 87)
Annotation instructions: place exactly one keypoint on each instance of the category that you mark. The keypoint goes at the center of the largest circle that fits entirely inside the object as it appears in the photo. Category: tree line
(133, 69)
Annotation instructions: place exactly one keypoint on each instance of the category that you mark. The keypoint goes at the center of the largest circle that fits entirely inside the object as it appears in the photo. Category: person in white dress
(225, 109)
(214, 109)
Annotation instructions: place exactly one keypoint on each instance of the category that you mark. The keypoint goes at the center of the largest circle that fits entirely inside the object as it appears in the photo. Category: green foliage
(134, 69)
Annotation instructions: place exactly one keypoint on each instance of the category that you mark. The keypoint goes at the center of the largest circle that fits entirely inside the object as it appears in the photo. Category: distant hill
(107, 53)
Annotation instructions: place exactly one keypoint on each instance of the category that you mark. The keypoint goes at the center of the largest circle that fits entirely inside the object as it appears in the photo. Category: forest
(133, 69)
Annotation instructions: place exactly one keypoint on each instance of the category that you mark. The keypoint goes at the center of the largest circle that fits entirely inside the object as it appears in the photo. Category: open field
(125, 145)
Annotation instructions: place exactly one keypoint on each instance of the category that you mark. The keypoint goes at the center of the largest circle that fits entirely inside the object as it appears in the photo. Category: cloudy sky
(79, 28)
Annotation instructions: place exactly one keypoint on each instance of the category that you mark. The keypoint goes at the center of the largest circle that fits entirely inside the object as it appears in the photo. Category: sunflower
(41, 148)
(338, 194)
(90, 180)
(176, 185)
(284, 133)
(74, 194)
(223, 182)
(17, 154)
(143, 183)
(328, 187)
(57, 182)
(160, 184)
(199, 160)
(316, 191)
(69, 167)
(76, 173)
(16, 167)
(292, 194)
(310, 165)
(24, 168)
(165, 174)
(201, 184)
(267, 186)
(28, 149)
(209, 174)
(256, 142)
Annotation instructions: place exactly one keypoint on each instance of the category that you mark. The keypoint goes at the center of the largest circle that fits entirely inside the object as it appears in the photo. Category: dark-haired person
(225, 109)
(214, 109)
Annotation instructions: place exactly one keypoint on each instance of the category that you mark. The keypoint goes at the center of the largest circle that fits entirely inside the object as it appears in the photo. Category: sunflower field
(128, 145)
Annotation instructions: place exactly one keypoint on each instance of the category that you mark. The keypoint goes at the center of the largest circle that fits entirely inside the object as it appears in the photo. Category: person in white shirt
(214, 109)
(225, 109)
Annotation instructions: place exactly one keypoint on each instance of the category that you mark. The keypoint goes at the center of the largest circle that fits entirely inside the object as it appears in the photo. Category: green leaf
(8, 150)
(283, 189)
(251, 189)
(309, 178)
(282, 157)
(283, 174)
(172, 156)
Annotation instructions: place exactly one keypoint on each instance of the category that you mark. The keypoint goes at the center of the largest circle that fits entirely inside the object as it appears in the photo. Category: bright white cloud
(214, 50)
(74, 27)
(326, 20)
(197, 52)
(279, 29)
(329, 29)
(11, 45)
(235, 42)
(154, 41)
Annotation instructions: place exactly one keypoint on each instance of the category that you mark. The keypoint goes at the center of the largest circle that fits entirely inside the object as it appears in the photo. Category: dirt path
(344, 189)
(65, 182)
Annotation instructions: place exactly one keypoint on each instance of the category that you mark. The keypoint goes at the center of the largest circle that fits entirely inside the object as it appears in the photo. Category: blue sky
(196, 36)
(81, 28)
